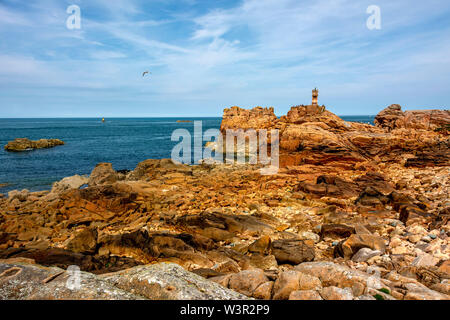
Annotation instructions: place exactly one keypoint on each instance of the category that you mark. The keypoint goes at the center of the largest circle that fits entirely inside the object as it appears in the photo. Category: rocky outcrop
(394, 118)
(313, 135)
(256, 118)
(24, 144)
(390, 118)
(314, 114)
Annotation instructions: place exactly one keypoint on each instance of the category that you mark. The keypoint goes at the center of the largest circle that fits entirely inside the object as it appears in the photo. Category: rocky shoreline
(356, 212)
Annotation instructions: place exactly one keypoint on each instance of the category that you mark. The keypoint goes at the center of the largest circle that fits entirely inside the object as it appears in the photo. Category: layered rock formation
(313, 135)
(256, 118)
(394, 118)
(24, 144)
(356, 212)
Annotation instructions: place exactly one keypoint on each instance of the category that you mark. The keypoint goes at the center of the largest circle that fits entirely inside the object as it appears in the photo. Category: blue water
(124, 142)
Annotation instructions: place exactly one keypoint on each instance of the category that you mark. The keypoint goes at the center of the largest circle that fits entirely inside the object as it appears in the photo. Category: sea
(124, 142)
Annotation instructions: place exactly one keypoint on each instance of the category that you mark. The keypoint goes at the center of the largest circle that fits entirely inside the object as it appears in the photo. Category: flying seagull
(146, 72)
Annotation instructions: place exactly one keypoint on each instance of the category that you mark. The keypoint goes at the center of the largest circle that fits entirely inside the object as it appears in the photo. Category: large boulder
(390, 118)
(24, 281)
(335, 293)
(335, 275)
(103, 173)
(305, 295)
(355, 242)
(292, 280)
(247, 281)
(164, 281)
(293, 251)
(74, 182)
(169, 281)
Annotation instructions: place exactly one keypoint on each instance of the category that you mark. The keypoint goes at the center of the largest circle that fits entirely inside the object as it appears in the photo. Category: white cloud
(258, 52)
(9, 17)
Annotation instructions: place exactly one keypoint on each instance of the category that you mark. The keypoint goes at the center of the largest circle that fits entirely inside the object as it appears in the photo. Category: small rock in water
(24, 144)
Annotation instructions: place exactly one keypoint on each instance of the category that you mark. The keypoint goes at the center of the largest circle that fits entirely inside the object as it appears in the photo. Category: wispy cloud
(205, 56)
(10, 17)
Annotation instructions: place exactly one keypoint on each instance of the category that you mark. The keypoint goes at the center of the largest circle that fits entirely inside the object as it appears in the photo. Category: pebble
(306, 235)
(414, 238)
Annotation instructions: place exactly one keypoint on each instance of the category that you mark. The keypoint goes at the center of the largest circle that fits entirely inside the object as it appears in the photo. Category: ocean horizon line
(155, 117)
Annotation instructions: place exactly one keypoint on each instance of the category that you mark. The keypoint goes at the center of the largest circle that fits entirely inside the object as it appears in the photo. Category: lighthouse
(315, 96)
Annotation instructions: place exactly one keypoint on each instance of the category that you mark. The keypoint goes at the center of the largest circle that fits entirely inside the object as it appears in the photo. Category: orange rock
(247, 281)
(355, 242)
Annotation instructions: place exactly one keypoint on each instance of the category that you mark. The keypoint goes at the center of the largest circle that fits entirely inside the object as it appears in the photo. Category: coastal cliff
(356, 212)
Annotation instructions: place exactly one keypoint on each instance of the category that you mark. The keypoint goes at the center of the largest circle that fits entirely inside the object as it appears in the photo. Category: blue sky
(209, 55)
